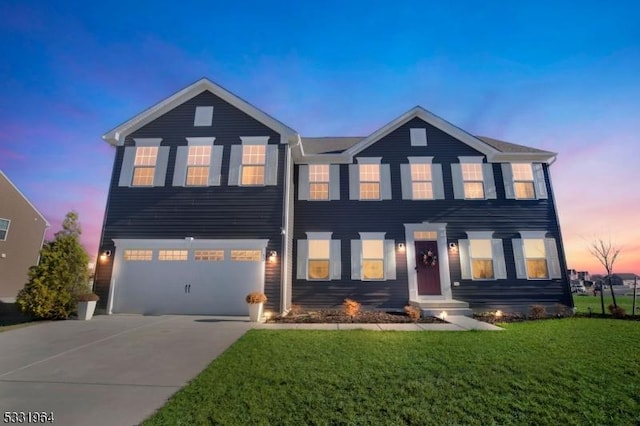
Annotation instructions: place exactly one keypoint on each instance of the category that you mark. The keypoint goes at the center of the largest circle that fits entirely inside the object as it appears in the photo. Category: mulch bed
(338, 316)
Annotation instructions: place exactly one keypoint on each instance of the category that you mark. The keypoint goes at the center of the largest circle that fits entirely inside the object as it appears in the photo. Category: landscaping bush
(412, 312)
(60, 276)
(296, 309)
(617, 312)
(537, 312)
(351, 307)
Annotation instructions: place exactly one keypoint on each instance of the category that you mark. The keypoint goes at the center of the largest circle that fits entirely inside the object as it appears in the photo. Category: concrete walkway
(119, 369)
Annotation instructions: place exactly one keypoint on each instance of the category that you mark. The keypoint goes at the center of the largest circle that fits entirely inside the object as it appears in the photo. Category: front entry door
(428, 268)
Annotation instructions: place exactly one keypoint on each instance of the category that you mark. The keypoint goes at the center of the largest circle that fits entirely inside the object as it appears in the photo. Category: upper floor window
(421, 180)
(473, 179)
(369, 179)
(318, 182)
(4, 228)
(198, 161)
(536, 256)
(318, 257)
(524, 181)
(253, 160)
(254, 163)
(482, 257)
(144, 164)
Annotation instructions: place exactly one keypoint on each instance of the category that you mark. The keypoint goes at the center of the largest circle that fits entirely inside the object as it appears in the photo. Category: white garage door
(186, 277)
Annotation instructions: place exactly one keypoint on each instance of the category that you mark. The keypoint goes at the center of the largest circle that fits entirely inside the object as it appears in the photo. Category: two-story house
(211, 198)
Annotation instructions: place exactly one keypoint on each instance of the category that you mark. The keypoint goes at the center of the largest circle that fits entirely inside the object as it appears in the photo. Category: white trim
(372, 235)
(203, 116)
(254, 140)
(369, 160)
(209, 140)
(319, 235)
(147, 141)
(443, 256)
(470, 160)
(418, 136)
(479, 235)
(25, 199)
(532, 234)
(117, 135)
(287, 234)
(420, 160)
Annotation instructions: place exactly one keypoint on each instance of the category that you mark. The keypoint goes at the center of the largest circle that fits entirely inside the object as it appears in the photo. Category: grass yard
(583, 303)
(574, 371)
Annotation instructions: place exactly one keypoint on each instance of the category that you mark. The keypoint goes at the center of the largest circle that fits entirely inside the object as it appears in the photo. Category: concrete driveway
(112, 370)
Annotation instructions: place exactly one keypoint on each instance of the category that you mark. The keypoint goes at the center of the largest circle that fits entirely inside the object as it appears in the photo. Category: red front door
(428, 268)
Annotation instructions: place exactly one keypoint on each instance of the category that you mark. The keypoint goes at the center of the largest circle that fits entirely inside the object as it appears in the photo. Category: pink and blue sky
(561, 76)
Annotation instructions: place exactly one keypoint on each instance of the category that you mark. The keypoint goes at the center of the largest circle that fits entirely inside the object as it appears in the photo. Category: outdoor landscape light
(443, 315)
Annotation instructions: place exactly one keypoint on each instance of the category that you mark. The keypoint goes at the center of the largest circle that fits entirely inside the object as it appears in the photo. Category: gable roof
(25, 198)
(343, 149)
(117, 135)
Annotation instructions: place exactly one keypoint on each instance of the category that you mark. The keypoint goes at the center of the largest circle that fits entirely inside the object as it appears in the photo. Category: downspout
(285, 231)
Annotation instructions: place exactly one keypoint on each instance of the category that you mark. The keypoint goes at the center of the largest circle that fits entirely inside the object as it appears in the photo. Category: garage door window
(138, 255)
(169, 255)
(246, 255)
(209, 255)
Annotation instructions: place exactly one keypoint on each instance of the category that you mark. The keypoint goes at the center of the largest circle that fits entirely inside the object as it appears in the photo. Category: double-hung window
(369, 180)
(473, 179)
(254, 163)
(144, 164)
(198, 163)
(4, 228)
(319, 182)
(536, 256)
(421, 180)
(524, 181)
(318, 257)
(373, 257)
(482, 257)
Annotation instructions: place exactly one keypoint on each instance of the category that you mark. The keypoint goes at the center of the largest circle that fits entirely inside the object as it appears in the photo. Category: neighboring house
(22, 229)
(211, 198)
(628, 279)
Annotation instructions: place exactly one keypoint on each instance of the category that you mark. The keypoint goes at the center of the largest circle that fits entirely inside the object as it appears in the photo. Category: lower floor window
(481, 259)
(536, 258)
(319, 256)
(373, 259)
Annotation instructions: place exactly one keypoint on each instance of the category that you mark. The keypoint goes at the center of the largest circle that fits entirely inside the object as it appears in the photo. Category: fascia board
(26, 199)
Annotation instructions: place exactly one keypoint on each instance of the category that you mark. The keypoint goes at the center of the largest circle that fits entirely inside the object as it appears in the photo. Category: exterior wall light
(272, 256)
(401, 247)
(453, 247)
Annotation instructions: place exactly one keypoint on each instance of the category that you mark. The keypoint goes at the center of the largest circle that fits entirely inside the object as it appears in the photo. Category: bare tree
(606, 253)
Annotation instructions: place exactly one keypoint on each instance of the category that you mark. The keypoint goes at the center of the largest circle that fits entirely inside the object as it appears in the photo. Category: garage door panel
(199, 287)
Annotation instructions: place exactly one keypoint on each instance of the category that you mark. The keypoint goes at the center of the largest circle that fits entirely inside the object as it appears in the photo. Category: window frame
(539, 181)
(303, 257)
(519, 180)
(467, 257)
(313, 181)
(5, 230)
(384, 176)
(361, 181)
(389, 259)
(144, 167)
(270, 165)
(459, 181)
(128, 163)
(550, 245)
(206, 156)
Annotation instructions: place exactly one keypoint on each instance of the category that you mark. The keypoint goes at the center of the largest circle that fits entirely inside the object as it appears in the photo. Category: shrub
(256, 297)
(537, 312)
(351, 307)
(61, 274)
(412, 312)
(562, 310)
(296, 309)
(617, 312)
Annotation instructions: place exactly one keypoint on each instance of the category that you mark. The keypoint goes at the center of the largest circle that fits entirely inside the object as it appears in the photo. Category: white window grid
(209, 255)
(138, 255)
(421, 181)
(173, 255)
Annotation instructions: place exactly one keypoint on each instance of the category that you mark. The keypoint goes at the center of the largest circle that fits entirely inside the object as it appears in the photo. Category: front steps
(434, 308)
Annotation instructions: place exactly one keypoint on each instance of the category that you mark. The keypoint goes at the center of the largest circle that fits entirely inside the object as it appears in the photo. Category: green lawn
(575, 371)
(583, 303)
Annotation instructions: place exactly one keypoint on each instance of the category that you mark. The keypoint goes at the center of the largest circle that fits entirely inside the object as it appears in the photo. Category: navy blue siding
(209, 212)
(345, 218)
